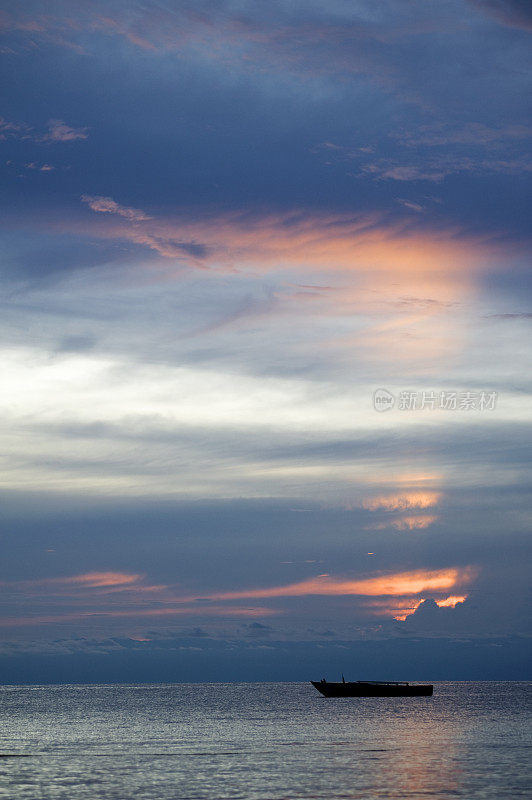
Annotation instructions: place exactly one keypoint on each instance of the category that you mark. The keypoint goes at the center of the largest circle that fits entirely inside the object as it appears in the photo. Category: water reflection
(263, 742)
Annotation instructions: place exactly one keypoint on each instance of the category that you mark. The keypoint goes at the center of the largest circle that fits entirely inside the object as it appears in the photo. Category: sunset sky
(227, 225)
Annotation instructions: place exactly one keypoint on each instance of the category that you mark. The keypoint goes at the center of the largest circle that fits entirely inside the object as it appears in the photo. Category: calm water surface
(267, 741)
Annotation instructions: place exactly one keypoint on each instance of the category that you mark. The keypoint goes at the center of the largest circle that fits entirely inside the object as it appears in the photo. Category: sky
(265, 330)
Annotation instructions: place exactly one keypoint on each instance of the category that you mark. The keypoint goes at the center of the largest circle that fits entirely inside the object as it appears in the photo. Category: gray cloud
(188, 394)
(405, 658)
(516, 13)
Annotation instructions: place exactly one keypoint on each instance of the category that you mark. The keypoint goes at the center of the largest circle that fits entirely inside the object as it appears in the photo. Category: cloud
(403, 502)
(421, 605)
(98, 579)
(107, 205)
(473, 133)
(436, 169)
(304, 239)
(140, 613)
(451, 602)
(400, 584)
(165, 660)
(77, 343)
(132, 377)
(406, 173)
(403, 523)
(59, 131)
(412, 206)
(412, 523)
(510, 315)
(515, 13)
(432, 153)
(431, 615)
(89, 580)
(291, 40)
(88, 595)
(42, 168)
(400, 503)
(18, 130)
(85, 597)
(257, 630)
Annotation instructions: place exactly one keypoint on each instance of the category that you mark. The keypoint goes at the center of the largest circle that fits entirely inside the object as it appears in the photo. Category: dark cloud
(516, 13)
(245, 134)
(405, 658)
(257, 630)
(40, 257)
(481, 612)
(512, 315)
(76, 344)
(257, 214)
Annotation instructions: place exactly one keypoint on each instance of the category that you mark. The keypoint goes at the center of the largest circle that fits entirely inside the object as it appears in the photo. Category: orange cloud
(401, 615)
(403, 502)
(403, 587)
(302, 239)
(451, 601)
(401, 584)
(447, 602)
(400, 284)
(418, 482)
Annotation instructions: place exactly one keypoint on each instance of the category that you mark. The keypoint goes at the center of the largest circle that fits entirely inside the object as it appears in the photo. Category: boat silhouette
(372, 688)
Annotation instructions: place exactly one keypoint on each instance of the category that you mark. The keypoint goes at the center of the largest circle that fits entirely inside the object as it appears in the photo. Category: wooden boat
(372, 689)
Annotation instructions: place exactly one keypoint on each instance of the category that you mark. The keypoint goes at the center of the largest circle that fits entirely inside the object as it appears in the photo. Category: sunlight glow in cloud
(87, 601)
(447, 602)
(401, 584)
(406, 280)
(204, 289)
(403, 502)
(450, 602)
(305, 239)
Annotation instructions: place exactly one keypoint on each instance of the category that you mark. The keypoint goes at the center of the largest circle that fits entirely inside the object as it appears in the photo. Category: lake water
(266, 740)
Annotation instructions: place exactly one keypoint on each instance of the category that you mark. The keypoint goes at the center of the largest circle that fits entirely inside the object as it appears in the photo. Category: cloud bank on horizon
(226, 225)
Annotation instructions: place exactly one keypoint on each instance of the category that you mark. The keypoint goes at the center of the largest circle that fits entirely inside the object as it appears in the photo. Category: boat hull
(361, 689)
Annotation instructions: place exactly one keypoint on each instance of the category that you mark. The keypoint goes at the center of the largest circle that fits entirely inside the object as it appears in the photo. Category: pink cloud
(300, 239)
(90, 580)
(390, 594)
(97, 579)
(107, 205)
(375, 262)
(59, 131)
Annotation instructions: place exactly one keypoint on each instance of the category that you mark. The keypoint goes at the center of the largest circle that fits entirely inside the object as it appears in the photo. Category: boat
(372, 689)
